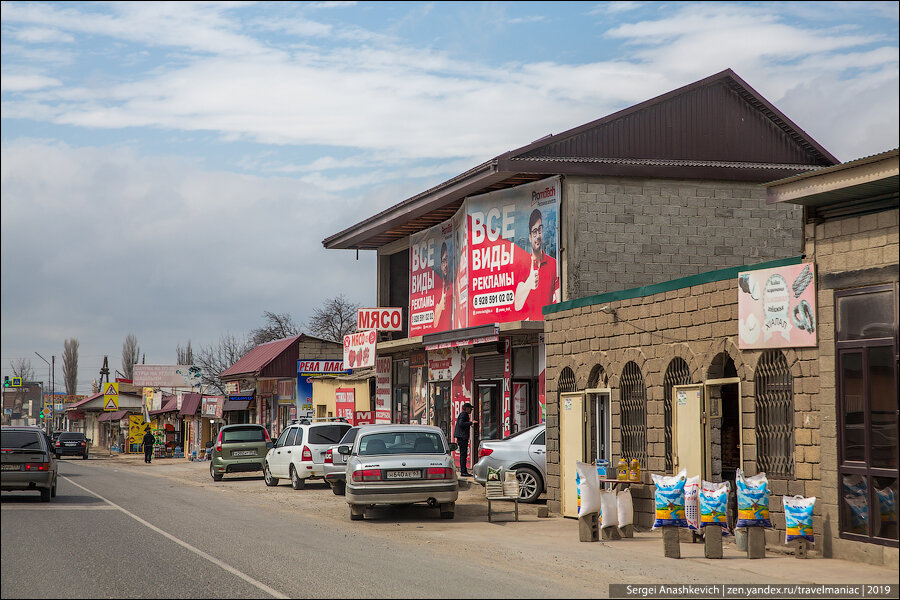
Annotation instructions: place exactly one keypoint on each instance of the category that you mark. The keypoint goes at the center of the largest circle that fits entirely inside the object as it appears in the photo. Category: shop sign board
(169, 376)
(431, 270)
(210, 406)
(439, 365)
(359, 349)
(382, 319)
(383, 389)
(136, 428)
(345, 403)
(320, 367)
(364, 417)
(777, 307)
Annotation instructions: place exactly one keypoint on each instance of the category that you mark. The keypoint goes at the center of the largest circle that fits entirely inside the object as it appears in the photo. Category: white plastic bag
(608, 510)
(692, 502)
(588, 486)
(626, 507)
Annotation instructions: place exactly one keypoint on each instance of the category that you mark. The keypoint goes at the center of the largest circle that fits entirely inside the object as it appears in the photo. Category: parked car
(336, 463)
(299, 452)
(239, 449)
(71, 443)
(524, 452)
(27, 462)
(400, 464)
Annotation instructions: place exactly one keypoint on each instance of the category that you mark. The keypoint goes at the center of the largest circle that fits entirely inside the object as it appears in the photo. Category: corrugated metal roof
(190, 403)
(255, 360)
(170, 404)
(718, 127)
(82, 402)
(833, 169)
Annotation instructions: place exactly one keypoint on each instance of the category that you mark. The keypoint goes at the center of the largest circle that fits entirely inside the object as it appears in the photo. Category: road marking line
(58, 508)
(197, 551)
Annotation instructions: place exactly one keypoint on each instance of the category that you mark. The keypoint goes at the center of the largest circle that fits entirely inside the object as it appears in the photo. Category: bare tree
(70, 366)
(185, 356)
(21, 367)
(130, 355)
(277, 327)
(334, 319)
(216, 358)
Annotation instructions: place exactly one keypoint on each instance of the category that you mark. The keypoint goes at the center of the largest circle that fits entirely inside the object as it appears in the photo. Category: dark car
(70, 443)
(239, 449)
(27, 462)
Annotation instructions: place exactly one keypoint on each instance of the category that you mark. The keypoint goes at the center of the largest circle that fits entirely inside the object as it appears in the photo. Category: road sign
(111, 395)
(17, 382)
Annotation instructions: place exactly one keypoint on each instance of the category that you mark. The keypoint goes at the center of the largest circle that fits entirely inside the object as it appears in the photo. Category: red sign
(345, 403)
(359, 349)
(364, 417)
(382, 319)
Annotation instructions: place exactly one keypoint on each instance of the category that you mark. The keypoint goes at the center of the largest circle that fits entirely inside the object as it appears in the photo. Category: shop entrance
(572, 423)
(487, 413)
(689, 426)
(724, 407)
(599, 422)
(440, 404)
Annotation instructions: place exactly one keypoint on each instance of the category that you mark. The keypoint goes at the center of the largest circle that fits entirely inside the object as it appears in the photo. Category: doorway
(440, 405)
(571, 448)
(487, 409)
(599, 421)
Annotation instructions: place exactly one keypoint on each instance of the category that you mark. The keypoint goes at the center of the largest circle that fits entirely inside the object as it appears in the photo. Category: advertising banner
(382, 319)
(363, 417)
(136, 429)
(440, 365)
(777, 307)
(418, 395)
(383, 390)
(512, 256)
(170, 376)
(431, 270)
(463, 367)
(345, 403)
(359, 349)
(507, 381)
(210, 406)
(461, 270)
(147, 395)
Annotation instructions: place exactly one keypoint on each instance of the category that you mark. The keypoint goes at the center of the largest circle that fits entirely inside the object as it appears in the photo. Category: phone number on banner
(493, 299)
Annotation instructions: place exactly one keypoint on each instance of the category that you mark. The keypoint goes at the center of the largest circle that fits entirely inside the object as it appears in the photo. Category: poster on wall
(461, 271)
(512, 256)
(383, 389)
(359, 349)
(440, 365)
(345, 403)
(431, 272)
(507, 382)
(463, 368)
(418, 395)
(777, 307)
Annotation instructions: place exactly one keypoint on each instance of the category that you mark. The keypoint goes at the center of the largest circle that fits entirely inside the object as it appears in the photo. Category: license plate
(71, 443)
(403, 475)
(244, 453)
(8, 467)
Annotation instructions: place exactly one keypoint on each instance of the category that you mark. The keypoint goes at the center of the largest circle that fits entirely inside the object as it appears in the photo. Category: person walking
(149, 440)
(461, 432)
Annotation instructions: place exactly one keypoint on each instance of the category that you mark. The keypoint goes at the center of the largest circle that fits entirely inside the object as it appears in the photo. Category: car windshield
(350, 436)
(15, 440)
(243, 434)
(406, 442)
(71, 436)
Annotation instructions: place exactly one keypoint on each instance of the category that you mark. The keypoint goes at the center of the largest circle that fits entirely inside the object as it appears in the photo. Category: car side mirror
(453, 446)
(270, 445)
(344, 450)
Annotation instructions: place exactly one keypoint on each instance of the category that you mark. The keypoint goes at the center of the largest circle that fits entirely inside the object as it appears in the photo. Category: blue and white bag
(670, 500)
(753, 500)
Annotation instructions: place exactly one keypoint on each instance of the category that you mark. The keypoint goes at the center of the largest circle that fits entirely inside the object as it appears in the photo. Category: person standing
(148, 441)
(464, 422)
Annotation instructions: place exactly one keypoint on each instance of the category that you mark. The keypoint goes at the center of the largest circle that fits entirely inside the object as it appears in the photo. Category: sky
(169, 170)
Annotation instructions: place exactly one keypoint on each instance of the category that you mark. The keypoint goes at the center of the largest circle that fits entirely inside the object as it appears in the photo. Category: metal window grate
(634, 414)
(567, 380)
(678, 373)
(597, 377)
(774, 415)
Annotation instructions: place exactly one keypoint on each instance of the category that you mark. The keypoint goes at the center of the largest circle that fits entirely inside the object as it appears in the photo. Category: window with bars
(567, 380)
(678, 373)
(633, 410)
(774, 415)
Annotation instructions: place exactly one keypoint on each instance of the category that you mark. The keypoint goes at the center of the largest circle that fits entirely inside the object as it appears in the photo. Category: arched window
(633, 411)
(597, 378)
(567, 380)
(774, 415)
(678, 373)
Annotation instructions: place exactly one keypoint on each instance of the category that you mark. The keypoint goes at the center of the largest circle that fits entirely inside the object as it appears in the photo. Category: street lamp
(52, 388)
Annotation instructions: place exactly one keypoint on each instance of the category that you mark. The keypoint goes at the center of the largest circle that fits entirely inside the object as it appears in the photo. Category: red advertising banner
(345, 403)
(507, 381)
(431, 269)
(382, 319)
(513, 242)
(364, 417)
(461, 279)
(359, 349)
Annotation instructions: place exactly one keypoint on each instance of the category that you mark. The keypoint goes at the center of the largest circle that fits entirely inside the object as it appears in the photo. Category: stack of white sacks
(615, 509)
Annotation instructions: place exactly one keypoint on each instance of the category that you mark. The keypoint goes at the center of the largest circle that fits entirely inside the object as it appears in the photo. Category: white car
(299, 452)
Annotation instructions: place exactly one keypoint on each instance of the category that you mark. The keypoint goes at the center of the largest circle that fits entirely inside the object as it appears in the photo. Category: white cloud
(41, 35)
(25, 83)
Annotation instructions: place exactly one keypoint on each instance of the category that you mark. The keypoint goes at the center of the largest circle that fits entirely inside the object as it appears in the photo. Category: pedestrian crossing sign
(111, 395)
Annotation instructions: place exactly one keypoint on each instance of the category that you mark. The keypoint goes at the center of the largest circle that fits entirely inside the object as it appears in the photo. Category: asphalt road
(115, 532)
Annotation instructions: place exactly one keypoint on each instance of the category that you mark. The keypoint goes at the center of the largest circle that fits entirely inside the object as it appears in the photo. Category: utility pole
(48, 423)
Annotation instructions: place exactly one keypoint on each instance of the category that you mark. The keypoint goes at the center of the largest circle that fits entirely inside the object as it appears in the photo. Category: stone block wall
(621, 233)
(696, 323)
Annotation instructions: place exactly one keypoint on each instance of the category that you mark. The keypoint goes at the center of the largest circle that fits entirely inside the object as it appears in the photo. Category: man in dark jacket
(148, 445)
(461, 433)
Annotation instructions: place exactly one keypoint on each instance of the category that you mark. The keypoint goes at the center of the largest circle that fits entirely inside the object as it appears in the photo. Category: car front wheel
(270, 481)
(529, 484)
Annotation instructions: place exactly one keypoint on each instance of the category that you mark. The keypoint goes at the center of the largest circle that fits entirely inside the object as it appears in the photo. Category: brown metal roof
(190, 403)
(257, 359)
(715, 128)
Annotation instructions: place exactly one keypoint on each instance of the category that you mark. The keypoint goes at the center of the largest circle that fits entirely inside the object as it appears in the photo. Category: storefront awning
(112, 416)
(189, 404)
(236, 405)
(169, 405)
(462, 337)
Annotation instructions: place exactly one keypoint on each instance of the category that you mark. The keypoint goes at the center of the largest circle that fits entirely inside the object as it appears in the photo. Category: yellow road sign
(111, 395)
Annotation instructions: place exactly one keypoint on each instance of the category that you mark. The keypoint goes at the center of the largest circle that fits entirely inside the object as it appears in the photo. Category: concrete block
(543, 512)
(802, 549)
(740, 539)
(611, 533)
(671, 544)
(588, 528)
(712, 541)
(756, 542)
(627, 531)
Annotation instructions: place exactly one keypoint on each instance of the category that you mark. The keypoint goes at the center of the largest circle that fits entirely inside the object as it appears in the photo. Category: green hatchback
(239, 449)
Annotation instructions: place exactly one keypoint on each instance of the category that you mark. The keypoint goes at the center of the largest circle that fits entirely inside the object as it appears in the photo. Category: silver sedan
(524, 452)
(400, 464)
